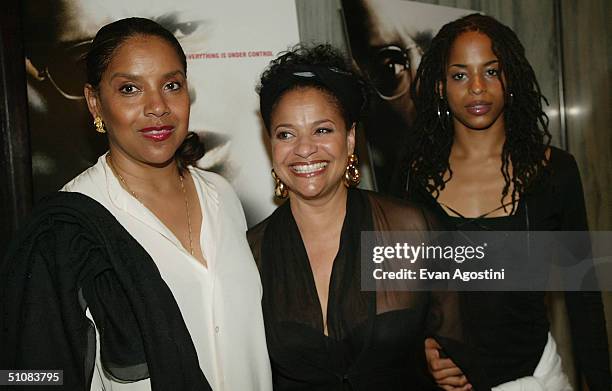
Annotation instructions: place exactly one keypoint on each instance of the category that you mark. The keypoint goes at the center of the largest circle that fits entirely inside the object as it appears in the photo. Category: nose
(156, 104)
(477, 85)
(305, 146)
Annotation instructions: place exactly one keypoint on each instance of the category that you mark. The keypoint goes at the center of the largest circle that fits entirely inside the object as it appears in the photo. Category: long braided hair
(527, 136)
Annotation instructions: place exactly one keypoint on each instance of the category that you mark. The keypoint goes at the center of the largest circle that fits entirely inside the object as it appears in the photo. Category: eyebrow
(138, 77)
(315, 123)
(377, 48)
(465, 66)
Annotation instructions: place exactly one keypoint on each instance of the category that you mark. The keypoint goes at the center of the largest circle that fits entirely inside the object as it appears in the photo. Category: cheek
(120, 113)
(496, 87)
(279, 152)
(182, 107)
(453, 96)
(337, 147)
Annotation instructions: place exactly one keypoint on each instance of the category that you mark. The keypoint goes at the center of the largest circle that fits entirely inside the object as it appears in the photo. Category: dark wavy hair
(104, 46)
(527, 135)
(350, 95)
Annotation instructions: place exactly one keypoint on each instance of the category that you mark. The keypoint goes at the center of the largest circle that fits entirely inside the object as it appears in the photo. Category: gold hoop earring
(351, 175)
(99, 125)
(280, 189)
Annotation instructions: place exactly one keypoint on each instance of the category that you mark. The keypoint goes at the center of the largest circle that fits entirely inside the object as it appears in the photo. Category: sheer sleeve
(443, 318)
(255, 237)
(585, 309)
(445, 321)
(391, 214)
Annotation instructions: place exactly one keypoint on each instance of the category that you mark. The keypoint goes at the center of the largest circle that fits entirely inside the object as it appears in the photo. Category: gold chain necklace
(125, 185)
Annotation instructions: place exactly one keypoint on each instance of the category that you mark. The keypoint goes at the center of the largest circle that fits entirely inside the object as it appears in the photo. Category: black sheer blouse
(507, 331)
(375, 339)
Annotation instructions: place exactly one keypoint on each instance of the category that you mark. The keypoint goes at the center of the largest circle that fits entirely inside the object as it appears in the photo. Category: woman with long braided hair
(481, 157)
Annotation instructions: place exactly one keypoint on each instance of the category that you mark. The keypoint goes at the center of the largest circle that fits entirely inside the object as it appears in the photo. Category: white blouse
(220, 303)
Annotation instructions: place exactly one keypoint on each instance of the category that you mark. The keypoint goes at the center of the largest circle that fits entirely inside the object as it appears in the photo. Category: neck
(143, 178)
(469, 143)
(321, 214)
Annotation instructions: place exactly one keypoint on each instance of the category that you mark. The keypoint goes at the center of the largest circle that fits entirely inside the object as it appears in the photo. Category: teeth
(308, 168)
(160, 131)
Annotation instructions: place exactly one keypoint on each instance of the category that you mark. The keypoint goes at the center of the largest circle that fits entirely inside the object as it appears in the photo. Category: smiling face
(474, 83)
(310, 143)
(143, 100)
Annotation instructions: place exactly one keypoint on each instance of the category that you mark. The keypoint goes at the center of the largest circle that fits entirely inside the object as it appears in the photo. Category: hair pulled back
(317, 66)
(104, 46)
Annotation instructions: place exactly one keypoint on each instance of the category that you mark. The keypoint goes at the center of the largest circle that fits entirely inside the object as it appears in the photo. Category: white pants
(548, 375)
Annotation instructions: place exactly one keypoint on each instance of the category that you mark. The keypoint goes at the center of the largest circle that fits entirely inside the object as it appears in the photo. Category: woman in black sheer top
(481, 158)
(323, 331)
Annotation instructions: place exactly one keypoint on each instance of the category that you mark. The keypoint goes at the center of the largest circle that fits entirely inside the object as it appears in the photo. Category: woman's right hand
(447, 375)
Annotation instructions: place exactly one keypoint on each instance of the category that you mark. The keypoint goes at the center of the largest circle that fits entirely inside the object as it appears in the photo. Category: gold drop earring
(351, 175)
(99, 124)
(280, 189)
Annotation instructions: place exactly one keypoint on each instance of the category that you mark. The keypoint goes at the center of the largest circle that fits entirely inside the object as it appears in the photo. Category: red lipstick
(157, 133)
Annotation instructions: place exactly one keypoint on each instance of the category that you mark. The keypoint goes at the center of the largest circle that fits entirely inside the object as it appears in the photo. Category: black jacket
(73, 255)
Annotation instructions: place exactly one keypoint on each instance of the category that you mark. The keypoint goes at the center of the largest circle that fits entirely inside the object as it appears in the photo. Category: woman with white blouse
(190, 223)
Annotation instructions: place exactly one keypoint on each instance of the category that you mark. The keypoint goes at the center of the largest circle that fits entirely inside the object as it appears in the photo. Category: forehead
(306, 100)
(471, 46)
(145, 54)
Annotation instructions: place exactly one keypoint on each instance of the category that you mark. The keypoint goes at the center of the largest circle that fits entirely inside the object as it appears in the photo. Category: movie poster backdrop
(228, 44)
(387, 39)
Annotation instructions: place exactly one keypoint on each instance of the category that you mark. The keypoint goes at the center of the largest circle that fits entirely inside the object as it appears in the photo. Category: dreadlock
(527, 135)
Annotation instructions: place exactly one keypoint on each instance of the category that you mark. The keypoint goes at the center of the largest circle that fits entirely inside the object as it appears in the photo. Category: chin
(162, 153)
(478, 126)
(314, 192)
(481, 123)
(307, 194)
(160, 159)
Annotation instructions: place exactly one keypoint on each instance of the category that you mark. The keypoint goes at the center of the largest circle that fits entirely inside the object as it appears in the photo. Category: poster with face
(228, 44)
(387, 39)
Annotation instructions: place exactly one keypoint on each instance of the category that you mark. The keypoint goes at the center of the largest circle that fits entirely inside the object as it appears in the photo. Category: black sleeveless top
(508, 330)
